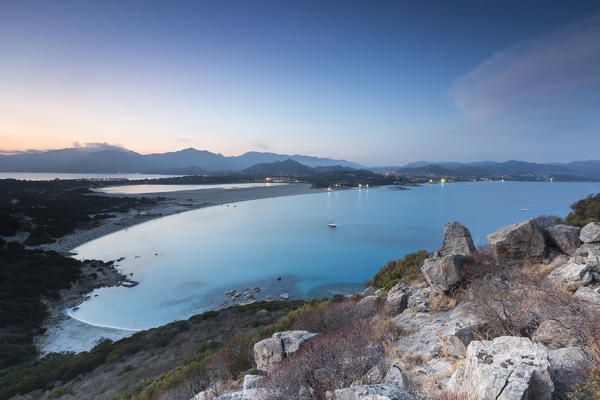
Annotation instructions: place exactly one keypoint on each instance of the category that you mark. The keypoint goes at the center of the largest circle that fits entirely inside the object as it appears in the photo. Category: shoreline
(169, 203)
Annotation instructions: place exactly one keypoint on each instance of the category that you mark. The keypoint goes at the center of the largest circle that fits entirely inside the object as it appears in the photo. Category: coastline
(168, 203)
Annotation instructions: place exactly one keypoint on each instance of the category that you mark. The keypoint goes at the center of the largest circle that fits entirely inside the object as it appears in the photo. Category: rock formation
(373, 392)
(457, 239)
(590, 233)
(518, 243)
(271, 351)
(564, 237)
(506, 368)
(445, 273)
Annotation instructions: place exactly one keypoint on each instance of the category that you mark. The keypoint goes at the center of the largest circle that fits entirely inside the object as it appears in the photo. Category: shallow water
(140, 189)
(185, 262)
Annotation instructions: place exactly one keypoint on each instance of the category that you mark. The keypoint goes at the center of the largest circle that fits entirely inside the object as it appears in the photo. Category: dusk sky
(376, 82)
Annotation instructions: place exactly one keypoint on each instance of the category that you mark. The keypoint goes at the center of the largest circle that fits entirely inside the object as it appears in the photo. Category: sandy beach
(173, 203)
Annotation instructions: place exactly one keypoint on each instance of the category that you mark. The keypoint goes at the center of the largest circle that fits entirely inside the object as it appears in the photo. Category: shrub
(324, 363)
(405, 269)
(583, 212)
(335, 316)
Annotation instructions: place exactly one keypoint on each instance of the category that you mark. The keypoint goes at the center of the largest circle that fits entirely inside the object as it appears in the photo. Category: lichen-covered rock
(590, 233)
(573, 275)
(430, 335)
(397, 298)
(506, 368)
(419, 299)
(588, 254)
(394, 376)
(373, 392)
(564, 237)
(518, 243)
(555, 335)
(271, 351)
(250, 394)
(588, 294)
(252, 381)
(445, 273)
(457, 239)
(566, 369)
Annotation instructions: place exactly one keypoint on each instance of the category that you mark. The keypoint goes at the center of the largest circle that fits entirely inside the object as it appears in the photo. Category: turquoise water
(185, 262)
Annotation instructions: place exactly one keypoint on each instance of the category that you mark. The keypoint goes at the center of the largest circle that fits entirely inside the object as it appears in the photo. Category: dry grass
(385, 330)
(440, 302)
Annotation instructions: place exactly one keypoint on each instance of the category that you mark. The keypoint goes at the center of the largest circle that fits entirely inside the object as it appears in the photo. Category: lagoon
(185, 262)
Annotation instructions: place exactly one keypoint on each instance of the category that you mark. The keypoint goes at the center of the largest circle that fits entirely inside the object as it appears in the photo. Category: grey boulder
(573, 275)
(564, 237)
(566, 368)
(590, 233)
(506, 368)
(394, 376)
(457, 239)
(373, 392)
(444, 333)
(588, 294)
(445, 273)
(518, 243)
(555, 335)
(269, 352)
(252, 381)
(397, 298)
(588, 254)
(250, 394)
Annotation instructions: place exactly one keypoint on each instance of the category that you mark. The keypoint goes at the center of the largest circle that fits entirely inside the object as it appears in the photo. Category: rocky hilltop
(516, 320)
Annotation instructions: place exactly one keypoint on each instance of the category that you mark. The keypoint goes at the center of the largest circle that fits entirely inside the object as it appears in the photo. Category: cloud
(556, 66)
(261, 146)
(98, 146)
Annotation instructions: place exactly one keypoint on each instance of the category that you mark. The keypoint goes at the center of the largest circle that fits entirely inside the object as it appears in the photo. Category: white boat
(332, 225)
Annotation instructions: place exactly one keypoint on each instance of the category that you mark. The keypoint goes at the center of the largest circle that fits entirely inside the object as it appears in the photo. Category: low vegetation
(151, 363)
(583, 212)
(405, 270)
(27, 277)
(52, 209)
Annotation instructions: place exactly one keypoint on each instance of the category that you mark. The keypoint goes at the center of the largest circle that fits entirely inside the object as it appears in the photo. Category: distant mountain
(105, 158)
(576, 170)
(288, 167)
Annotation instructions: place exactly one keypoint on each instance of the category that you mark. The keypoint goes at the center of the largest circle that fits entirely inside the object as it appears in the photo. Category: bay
(185, 262)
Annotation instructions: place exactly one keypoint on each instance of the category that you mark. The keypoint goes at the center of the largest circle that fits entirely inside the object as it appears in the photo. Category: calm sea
(185, 262)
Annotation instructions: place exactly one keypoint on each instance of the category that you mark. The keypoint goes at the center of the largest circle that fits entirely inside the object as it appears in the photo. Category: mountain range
(111, 159)
(576, 170)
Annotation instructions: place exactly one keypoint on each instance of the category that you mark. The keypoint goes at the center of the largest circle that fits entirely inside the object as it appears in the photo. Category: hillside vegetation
(26, 277)
(405, 270)
(153, 362)
(583, 211)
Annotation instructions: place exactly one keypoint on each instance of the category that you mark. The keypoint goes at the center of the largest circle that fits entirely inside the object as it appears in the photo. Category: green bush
(405, 270)
(583, 212)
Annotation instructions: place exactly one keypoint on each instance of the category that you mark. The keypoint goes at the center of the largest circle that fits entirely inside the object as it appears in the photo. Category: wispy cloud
(97, 146)
(529, 75)
(261, 146)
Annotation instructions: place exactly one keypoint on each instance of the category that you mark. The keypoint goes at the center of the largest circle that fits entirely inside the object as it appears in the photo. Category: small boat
(523, 209)
(332, 225)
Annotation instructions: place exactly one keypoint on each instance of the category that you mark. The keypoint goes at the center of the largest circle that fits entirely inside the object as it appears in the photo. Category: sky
(375, 82)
